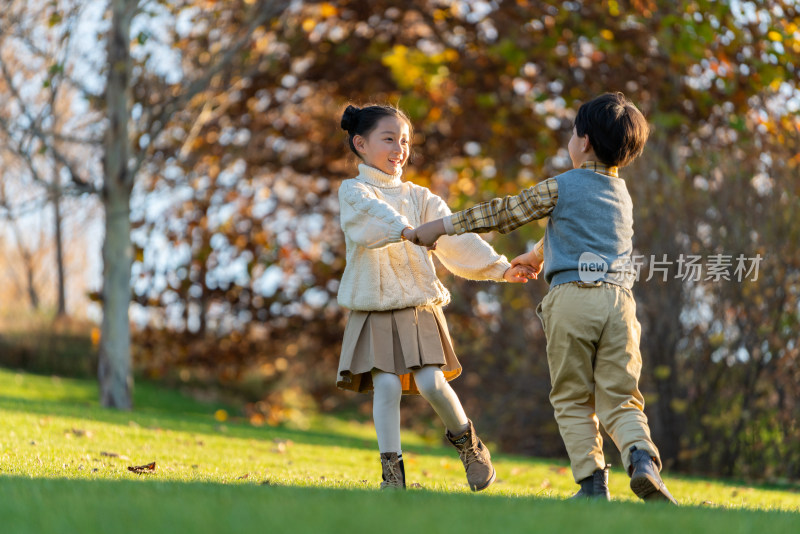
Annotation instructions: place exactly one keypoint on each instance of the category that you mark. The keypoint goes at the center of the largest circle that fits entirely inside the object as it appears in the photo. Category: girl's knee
(386, 384)
(431, 382)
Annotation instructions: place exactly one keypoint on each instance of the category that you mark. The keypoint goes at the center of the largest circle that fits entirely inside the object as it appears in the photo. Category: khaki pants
(595, 363)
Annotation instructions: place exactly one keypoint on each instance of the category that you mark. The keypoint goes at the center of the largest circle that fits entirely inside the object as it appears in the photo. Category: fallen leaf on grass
(147, 468)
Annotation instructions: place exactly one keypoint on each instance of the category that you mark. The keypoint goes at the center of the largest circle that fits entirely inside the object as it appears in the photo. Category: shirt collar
(601, 168)
(376, 177)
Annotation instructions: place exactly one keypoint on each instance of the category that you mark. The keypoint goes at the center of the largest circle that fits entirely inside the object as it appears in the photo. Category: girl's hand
(519, 274)
(530, 260)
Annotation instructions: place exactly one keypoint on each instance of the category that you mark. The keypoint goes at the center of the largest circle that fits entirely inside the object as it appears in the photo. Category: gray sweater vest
(589, 236)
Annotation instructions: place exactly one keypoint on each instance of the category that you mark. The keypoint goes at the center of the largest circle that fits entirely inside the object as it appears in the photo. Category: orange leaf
(147, 468)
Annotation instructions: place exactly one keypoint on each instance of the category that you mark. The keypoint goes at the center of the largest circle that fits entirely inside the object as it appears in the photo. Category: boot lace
(469, 454)
(392, 474)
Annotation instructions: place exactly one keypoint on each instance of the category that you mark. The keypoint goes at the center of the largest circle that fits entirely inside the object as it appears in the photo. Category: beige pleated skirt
(396, 341)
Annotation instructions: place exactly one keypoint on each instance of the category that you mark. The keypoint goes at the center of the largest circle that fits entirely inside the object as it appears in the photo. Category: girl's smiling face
(387, 146)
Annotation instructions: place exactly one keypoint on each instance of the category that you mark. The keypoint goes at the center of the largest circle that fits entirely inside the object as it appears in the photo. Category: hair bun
(350, 118)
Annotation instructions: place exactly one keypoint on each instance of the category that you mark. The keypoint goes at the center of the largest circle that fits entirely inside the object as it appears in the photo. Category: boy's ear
(358, 142)
(586, 145)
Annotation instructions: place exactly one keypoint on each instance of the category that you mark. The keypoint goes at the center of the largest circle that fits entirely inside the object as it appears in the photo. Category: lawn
(64, 468)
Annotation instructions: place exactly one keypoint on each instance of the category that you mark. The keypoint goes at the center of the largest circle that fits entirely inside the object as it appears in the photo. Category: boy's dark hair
(617, 130)
(361, 121)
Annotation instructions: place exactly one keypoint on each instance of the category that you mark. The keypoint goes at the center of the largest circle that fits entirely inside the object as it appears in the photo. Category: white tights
(433, 387)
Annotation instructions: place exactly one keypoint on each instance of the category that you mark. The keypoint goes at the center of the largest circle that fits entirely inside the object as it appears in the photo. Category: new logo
(591, 267)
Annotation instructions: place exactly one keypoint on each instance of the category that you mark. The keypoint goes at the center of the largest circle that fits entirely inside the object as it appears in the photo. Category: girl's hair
(361, 121)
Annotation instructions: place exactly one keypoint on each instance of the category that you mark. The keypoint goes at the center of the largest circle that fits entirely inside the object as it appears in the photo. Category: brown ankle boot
(394, 472)
(476, 458)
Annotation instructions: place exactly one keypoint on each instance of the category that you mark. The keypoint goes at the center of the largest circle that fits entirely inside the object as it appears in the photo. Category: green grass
(63, 468)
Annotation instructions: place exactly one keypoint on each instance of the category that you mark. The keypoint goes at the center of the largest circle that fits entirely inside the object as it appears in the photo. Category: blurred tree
(163, 99)
(24, 246)
(39, 119)
(120, 161)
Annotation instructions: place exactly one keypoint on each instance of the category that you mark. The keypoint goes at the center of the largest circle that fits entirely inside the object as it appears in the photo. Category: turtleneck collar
(378, 178)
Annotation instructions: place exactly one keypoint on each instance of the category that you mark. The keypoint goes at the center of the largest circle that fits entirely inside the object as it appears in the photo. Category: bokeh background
(226, 209)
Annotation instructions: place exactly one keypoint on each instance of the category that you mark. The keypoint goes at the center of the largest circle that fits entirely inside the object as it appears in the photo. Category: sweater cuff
(448, 225)
(499, 269)
(396, 229)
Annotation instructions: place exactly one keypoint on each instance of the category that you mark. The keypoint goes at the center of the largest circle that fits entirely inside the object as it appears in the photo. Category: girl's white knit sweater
(384, 272)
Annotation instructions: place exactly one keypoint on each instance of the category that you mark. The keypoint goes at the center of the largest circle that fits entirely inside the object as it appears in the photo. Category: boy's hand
(427, 234)
(410, 235)
(519, 274)
(531, 260)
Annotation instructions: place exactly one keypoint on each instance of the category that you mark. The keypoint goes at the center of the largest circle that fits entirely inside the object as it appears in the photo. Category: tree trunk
(116, 381)
(61, 309)
(114, 366)
(32, 294)
(28, 263)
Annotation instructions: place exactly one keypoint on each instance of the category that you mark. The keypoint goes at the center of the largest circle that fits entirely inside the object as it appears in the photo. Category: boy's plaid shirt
(511, 212)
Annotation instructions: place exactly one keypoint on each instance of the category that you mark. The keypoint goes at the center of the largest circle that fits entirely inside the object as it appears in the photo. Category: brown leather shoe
(394, 472)
(594, 486)
(475, 457)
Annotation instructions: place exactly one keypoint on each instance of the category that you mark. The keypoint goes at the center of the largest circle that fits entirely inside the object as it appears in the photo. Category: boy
(589, 314)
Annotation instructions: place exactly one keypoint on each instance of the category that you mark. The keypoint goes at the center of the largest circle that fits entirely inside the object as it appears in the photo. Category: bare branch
(24, 208)
(36, 131)
(33, 47)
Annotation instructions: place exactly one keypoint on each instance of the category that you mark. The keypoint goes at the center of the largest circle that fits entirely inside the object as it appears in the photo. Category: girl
(396, 339)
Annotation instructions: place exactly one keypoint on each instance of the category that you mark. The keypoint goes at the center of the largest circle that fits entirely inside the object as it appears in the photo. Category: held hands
(519, 274)
(531, 261)
(426, 234)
